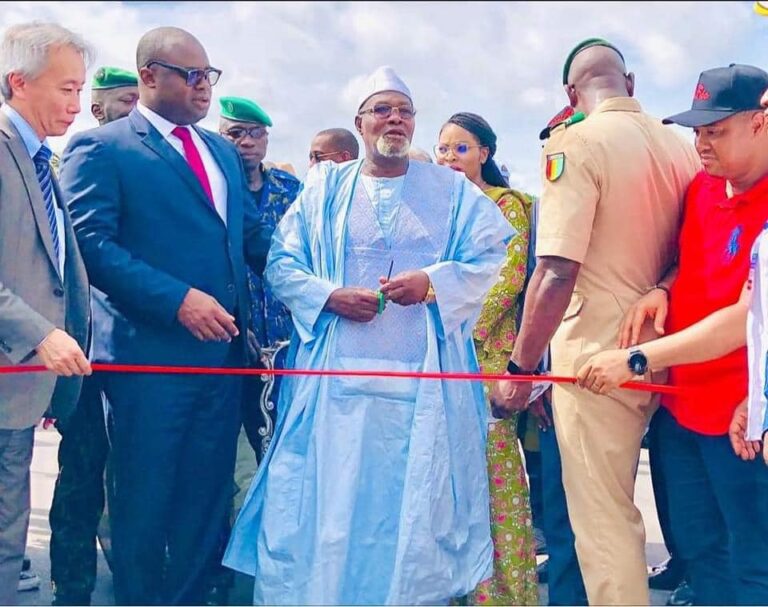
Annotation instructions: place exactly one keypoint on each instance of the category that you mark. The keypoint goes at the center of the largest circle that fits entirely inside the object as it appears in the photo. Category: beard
(393, 149)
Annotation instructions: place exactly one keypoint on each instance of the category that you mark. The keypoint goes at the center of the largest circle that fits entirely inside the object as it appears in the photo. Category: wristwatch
(513, 369)
(430, 297)
(637, 362)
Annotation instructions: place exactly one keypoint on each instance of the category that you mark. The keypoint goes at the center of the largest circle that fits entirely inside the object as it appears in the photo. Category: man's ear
(630, 77)
(359, 124)
(97, 111)
(573, 98)
(759, 121)
(346, 155)
(147, 77)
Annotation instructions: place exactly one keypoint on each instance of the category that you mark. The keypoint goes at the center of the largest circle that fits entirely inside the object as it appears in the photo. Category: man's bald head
(597, 73)
(174, 75)
(161, 42)
(601, 62)
(338, 145)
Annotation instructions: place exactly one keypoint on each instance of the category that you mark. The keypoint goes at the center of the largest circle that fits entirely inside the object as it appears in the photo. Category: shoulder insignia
(555, 166)
(564, 118)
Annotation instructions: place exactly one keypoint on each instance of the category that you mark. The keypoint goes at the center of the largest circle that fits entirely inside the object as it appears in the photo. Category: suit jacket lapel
(220, 159)
(155, 142)
(34, 194)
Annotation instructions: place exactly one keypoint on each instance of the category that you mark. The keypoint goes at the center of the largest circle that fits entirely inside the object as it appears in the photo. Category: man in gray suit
(44, 314)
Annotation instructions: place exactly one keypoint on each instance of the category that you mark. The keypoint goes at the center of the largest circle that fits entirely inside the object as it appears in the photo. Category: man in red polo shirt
(718, 502)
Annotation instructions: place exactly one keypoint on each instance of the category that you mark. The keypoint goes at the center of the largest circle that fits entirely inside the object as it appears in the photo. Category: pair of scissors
(382, 301)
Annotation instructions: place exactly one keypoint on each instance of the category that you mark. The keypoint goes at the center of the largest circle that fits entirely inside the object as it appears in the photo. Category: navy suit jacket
(148, 233)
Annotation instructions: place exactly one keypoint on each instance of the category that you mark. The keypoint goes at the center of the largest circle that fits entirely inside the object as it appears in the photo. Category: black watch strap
(513, 369)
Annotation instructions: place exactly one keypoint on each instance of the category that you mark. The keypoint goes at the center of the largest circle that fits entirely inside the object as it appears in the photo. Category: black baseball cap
(723, 92)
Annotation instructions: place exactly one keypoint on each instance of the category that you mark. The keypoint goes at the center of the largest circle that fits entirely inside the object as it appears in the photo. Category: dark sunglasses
(382, 111)
(239, 132)
(193, 76)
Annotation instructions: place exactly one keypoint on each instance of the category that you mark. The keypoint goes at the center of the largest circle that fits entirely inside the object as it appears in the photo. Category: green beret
(112, 78)
(589, 42)
(243, 110)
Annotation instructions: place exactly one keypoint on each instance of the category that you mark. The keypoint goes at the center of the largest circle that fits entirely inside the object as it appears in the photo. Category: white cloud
(304, 61)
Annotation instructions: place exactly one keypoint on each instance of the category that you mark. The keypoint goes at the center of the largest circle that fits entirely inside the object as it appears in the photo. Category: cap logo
(701, 94)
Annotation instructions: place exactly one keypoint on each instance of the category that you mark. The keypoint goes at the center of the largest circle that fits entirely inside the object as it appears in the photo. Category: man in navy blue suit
(164, 219)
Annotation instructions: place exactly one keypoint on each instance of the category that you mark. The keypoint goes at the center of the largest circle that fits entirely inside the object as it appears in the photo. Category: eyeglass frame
(248, 132)
(392, 108)
(452, 148)
(186, 72)
(320, 156)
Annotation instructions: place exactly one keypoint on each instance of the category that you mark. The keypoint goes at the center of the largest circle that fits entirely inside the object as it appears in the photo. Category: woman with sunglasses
(467, 144)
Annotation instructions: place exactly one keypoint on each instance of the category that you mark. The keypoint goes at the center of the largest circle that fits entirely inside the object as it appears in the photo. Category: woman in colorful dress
(467, 144)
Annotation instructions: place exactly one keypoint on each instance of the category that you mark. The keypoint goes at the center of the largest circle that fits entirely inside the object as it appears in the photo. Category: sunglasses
(382, 111)
(192, 76)
(239, 132)
(460, 149)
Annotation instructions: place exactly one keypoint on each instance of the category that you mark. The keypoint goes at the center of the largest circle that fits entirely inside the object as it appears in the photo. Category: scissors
(382, 301)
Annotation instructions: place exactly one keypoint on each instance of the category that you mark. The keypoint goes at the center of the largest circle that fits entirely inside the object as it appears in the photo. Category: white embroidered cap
(383, 79)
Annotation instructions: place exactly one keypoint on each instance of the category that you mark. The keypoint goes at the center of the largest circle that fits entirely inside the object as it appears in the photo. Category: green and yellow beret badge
(241, 109)
(113, 77)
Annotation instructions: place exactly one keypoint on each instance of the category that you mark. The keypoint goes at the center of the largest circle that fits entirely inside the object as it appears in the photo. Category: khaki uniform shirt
(615, 207)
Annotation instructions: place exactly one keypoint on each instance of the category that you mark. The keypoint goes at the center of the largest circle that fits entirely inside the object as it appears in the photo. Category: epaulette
(283, 179)
(566, 117)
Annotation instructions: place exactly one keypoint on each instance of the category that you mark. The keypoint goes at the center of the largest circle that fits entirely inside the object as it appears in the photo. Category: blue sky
(304, 62)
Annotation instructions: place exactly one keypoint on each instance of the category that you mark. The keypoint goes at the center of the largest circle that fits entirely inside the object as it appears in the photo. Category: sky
(305, 62)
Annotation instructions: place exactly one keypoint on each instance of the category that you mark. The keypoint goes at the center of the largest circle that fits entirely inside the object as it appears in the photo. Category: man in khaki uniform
(613, 188)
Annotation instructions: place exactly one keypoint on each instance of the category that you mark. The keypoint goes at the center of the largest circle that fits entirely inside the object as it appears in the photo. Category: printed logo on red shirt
(701, 94)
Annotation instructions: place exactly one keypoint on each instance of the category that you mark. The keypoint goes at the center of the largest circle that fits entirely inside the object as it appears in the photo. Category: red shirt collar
(717, 186)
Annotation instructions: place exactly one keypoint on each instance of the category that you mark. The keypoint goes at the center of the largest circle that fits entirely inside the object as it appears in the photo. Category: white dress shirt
(215, 175)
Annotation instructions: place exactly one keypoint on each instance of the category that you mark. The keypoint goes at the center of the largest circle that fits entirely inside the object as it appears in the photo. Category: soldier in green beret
(244, 123)
(78, 497)
(115, 93)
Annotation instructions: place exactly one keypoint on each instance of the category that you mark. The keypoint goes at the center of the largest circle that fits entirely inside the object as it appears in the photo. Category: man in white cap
(374, 490)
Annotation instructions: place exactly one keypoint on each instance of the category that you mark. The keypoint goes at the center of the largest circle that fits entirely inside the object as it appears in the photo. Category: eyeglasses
(382, 111)
(239, 132)
(319, 156)
(460, 149)
(193, 76)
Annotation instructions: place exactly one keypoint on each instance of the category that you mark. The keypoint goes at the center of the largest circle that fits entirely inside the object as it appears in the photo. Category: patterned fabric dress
(514, 580)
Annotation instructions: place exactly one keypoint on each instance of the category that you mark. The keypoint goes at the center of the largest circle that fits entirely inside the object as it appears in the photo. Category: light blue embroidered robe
(375, 491)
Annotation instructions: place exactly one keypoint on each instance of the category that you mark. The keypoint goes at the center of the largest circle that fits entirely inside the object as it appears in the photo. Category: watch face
(638, 363)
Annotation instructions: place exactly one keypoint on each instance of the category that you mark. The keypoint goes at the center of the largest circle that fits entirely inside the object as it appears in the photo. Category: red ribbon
(633, 385)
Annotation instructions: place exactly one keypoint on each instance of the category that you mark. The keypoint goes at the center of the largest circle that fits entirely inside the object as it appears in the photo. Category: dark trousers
(532, 469)
(660, 497)
(566, 586)
(718, 506)
(78, 498)
(174, 446)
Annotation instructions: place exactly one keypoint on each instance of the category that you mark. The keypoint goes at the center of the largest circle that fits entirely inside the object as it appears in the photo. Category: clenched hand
(407, 288)
(206, 318)
(745, 449)
(61, 354)
(360, 305)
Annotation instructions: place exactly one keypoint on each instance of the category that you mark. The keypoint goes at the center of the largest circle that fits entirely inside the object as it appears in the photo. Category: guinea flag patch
(555, 166)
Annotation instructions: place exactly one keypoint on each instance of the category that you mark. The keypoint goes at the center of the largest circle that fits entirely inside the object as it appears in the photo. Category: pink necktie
(194, 160)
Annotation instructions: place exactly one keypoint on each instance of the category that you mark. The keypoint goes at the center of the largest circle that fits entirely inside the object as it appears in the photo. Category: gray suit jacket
(33, 298)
